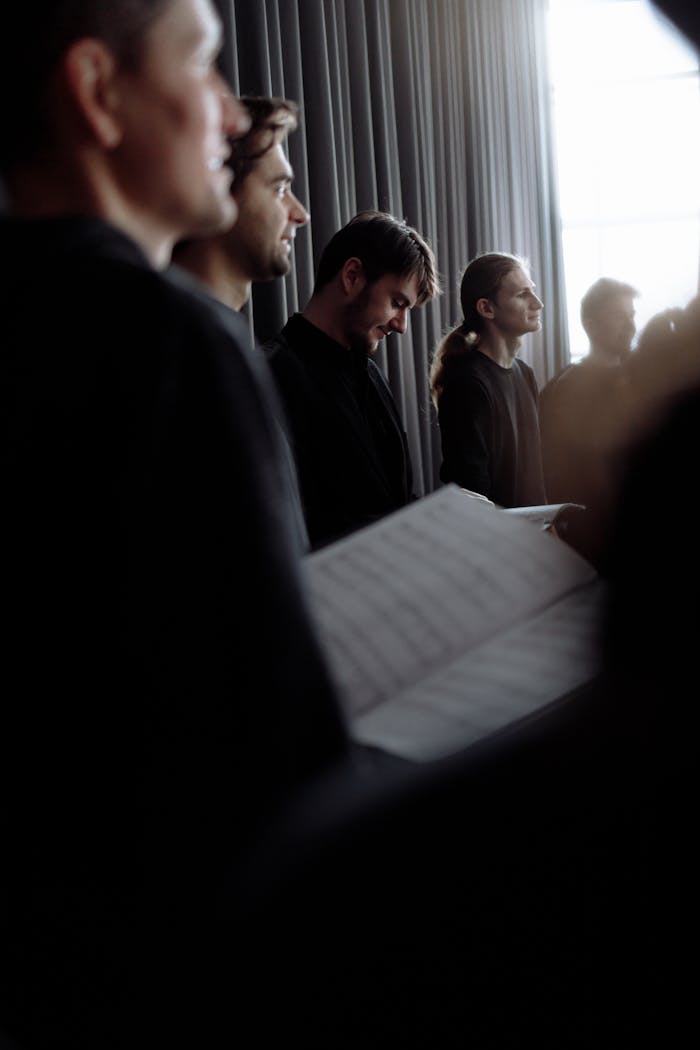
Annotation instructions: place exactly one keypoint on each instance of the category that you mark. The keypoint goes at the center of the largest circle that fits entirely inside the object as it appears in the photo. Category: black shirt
(348, 440)
(490, 431)
(164, 692)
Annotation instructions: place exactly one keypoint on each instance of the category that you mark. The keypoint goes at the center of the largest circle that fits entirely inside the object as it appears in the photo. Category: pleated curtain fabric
(437, 111)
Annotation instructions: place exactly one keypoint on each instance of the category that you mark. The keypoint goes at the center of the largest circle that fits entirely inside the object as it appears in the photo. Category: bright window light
(626, 101)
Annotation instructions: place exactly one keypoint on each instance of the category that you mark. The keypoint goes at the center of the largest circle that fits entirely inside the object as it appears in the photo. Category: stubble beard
(281, 264)
(360, 341)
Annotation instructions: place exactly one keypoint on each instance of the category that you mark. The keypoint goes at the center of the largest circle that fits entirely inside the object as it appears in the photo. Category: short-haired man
(349, 441)
(607, 316)
(259, 245)
(584, 417)
(164, 693)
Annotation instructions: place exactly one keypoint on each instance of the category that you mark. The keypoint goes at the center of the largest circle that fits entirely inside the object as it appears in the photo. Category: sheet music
(496, 685)
(412, 594)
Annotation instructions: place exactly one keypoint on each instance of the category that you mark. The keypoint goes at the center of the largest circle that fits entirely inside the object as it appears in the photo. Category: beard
(356, 318)
(363, 344)
(280, 264)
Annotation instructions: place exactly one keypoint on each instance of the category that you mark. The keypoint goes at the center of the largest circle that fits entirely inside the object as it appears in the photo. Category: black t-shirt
(489, 430)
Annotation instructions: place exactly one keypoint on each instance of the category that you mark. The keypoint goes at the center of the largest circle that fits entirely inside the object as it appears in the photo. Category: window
(626, 101)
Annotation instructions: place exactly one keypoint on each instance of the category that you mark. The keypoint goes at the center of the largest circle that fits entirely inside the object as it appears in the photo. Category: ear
(484, 307)
(90, 69)
(352, 276)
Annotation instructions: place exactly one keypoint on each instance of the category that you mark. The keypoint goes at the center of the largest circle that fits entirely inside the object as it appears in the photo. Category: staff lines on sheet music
(482, 691)
(372, 585)
(366, 660)
(526, 670)
(527, 559)
(367, 585)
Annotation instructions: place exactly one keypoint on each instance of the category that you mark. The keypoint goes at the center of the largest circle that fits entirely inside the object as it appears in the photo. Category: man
(349, 442)
(163, 689)
(585, 414)
(486, 398)
(258, 247)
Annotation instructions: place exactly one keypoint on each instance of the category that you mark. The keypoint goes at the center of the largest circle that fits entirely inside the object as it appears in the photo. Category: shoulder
(278, 346)
(191, 302)
(201, 348)
(160, 313)
(284, 349)
(523, 367)
(467, 383)
(469, 367)
(376, 374)
(285, 356)
(560, 384)
(525, 374)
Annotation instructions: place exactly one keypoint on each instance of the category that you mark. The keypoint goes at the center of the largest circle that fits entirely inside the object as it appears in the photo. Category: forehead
(516, 279)
(273, 165)
(398, 286)
(619, 304)
(187, 26)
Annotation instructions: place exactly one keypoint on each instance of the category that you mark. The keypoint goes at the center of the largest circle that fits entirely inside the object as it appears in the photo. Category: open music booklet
(450, 619)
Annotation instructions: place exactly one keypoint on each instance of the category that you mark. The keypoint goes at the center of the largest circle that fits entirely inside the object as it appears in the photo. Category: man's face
(380, 308)
(613, 330)
(176, 116)
(260, 244)
(516, 308)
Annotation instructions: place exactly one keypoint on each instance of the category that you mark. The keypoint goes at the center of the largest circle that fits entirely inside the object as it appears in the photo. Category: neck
(37, 193)
(501, 349)
(207, 260)
(605, 357)
(322, 313)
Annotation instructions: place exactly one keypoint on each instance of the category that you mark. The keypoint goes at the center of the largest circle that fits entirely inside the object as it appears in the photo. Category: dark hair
(272, 119)
(383, 244)
(481, 280)
(596, 299)
(36, 34)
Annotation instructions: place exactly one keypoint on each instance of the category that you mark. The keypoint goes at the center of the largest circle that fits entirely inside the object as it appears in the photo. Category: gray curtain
(434, 110)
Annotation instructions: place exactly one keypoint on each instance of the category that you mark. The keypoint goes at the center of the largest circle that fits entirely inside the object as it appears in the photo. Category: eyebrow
(281, 176)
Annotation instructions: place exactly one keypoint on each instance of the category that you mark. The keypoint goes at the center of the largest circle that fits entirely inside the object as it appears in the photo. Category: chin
(218, 218)
(363, 343)
(281, 266)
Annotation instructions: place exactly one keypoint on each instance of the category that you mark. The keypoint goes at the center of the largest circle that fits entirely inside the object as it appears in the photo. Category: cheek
(281, 212)
(195, 116)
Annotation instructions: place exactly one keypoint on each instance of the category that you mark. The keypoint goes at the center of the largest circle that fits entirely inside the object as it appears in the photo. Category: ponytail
(461, 340)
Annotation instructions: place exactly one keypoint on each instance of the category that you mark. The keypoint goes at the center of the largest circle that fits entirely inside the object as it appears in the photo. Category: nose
(538, 301)
(297, 212)
(399, 322)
